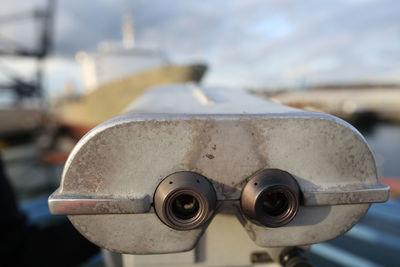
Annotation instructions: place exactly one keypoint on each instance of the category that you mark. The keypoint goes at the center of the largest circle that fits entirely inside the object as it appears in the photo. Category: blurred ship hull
(350, 104)
(109, 100)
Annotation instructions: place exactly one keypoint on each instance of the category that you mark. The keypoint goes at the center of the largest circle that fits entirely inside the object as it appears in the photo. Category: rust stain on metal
(200, 141)
(210, 156)
(241, 151)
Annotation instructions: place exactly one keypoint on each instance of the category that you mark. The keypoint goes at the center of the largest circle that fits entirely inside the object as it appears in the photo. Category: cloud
(247, 43)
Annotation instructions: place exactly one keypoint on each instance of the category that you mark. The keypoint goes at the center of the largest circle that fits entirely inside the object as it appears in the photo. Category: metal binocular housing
(153, 180)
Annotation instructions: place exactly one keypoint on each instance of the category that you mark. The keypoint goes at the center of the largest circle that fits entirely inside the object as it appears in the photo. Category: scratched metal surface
(127, 157)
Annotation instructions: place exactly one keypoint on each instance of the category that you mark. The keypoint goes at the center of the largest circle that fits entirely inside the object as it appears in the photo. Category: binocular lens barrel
(271, 198)
(185, 206)
(185, 200)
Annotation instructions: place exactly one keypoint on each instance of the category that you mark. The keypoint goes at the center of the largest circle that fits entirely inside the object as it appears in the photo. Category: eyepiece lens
(275, 203)
(185, 206)
(271, 198)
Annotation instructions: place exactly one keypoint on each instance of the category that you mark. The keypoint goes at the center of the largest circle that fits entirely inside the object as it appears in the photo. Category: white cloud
(246, 43)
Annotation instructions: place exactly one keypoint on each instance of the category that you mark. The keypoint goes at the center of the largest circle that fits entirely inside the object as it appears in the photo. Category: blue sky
(246, 43)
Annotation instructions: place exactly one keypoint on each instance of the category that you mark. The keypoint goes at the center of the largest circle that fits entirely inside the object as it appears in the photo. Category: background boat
(115, 76)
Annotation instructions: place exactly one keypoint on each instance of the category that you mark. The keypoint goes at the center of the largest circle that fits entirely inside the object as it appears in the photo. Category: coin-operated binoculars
(195, 169)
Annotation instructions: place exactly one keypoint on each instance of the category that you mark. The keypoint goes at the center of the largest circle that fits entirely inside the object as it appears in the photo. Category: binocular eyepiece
(186, 200)
(271, 198)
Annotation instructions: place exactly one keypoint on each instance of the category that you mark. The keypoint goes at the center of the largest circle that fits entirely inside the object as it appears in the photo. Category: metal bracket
(78, 205)
(342, 196)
